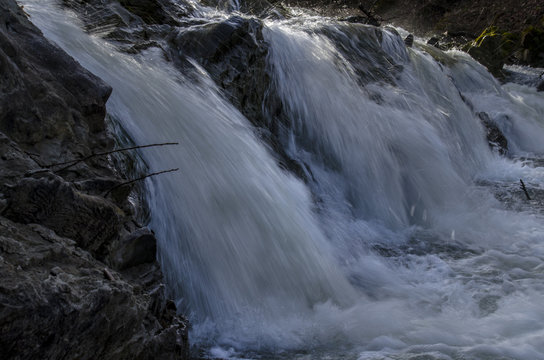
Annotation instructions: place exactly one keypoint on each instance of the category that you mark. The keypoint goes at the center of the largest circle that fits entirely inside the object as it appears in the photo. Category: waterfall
(407, 238)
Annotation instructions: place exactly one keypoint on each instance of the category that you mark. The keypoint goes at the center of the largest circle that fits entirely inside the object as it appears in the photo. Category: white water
(262, 268)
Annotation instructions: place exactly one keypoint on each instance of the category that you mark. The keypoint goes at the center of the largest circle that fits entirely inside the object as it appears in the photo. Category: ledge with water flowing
(341, 194)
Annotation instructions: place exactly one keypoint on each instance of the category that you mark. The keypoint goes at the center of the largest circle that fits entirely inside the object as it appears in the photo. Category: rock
(57, 232)
(151, 11)
(90, 220)
(434, 41)
(71, 311)
(540, 87)
(372, 19)
(496, 139)
(137, 248)
(490, 50)
(45, 96)
(532, 43)
(233, 51)
(409, 40)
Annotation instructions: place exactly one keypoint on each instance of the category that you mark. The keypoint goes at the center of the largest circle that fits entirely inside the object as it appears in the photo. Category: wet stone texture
(79, 278)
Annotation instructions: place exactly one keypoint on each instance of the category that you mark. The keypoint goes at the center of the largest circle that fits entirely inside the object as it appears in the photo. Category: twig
(524, 189)
(77, 161)
(108, 275)
(138, 179)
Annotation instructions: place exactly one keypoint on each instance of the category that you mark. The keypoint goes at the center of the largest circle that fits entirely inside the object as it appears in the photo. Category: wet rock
(57, 231)
(151, 11)
(532, 43)
(233, 51)
(490, 50)
(45, 96)
(496, 139)
(540, 87)
(409, 40)
(90, 220)
(434, 41)
(137, 248)
(356, 19)
(55, 304)
(372, 19)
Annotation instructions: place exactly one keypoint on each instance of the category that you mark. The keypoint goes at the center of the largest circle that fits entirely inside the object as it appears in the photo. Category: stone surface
(489, 50)
(61, 295)
(139, 247)
(90, 220)
(56, 303)
(496, 139)
(47, 100)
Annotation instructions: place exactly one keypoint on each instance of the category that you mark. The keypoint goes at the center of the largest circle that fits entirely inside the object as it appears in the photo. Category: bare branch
(71, 163)
(138, 179)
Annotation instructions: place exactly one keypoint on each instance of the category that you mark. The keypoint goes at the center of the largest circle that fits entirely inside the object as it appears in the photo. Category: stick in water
(524, 189)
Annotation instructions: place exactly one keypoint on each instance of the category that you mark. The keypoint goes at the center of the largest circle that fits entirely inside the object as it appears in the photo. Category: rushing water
(410, 239)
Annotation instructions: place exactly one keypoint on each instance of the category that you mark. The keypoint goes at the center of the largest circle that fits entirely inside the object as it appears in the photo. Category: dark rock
(409, 40)
(372, 19)
(233, 51)
(56, 299)
(540, 86)
(496, 139)
(56, 304)
(532, 43)
(151, 11)
(272, 9)
(137, 248)
(356, 19)
(434, 41)
(39, 84)
(489, 49)
(90, 220)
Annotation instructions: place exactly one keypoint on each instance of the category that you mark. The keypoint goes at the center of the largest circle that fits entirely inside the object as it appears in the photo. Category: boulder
(491, 49)
(46, 97)
(57, 303)
(496, 139)
(139, 247)
(92, 221)
(59, 299)
(532, 43)
(409, 40)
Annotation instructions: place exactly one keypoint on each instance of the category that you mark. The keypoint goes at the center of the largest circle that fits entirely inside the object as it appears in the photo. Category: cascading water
(415, 241)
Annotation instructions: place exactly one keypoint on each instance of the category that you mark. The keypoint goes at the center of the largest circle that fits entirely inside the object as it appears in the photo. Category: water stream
(409, 239)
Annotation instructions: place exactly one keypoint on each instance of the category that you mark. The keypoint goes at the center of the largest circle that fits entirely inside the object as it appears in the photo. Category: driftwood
(524, 189)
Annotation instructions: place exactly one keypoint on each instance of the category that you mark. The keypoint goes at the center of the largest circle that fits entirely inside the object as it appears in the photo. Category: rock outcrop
(79, 276)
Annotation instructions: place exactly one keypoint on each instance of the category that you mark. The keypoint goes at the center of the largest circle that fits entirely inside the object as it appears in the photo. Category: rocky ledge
(79, 275)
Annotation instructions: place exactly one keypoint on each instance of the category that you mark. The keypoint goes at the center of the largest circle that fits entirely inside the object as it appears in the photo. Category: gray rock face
(63, 294)
(57, 303)
(39, 83)
(90, 220)
(137, 248)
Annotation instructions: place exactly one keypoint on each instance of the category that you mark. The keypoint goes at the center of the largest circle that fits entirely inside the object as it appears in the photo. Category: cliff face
(79, 276)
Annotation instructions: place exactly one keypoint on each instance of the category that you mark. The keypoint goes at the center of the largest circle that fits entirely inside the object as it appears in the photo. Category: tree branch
(138, 179)
(71, 163)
